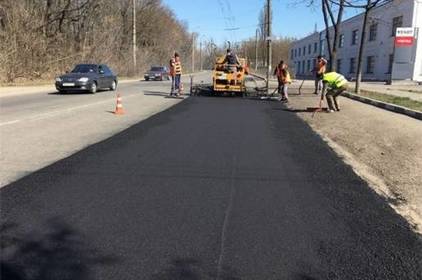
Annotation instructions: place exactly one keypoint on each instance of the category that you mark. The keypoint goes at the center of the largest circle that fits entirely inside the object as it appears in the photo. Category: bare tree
(41, 38)
(330, 18)
(368, 6)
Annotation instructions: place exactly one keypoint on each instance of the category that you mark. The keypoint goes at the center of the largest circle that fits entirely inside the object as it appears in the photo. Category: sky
(211, 18)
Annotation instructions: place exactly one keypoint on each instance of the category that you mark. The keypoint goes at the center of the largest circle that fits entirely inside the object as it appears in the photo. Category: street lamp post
(269, 50)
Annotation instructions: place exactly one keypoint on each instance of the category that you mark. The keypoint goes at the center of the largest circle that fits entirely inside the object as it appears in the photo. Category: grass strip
(396, 100)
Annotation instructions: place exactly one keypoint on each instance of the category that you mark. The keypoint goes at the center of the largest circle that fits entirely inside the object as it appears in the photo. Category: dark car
(157, 73)
(87, 77)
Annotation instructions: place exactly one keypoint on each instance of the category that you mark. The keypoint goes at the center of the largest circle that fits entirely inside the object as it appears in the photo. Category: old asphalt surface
(212, 188)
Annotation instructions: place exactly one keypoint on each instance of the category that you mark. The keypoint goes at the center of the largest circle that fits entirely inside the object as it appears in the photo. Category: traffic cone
(119, 107)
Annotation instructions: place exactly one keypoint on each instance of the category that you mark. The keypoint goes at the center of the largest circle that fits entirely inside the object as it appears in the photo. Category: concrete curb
(383, 105)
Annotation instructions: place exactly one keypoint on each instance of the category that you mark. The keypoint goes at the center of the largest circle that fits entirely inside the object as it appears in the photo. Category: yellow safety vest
(334, 80)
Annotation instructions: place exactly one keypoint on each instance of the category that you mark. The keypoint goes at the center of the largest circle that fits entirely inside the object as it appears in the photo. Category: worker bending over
(333, 85)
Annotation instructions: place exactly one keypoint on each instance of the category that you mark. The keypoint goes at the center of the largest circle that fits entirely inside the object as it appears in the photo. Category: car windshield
(84, 69)
(157, 69)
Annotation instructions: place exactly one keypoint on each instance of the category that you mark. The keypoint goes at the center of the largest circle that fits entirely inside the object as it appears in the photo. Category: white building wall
(380, 49)
(417, 22)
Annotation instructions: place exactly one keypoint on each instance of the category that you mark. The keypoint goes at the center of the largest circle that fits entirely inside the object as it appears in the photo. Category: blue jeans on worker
(177, 80)
(282, 90)
(173, 81)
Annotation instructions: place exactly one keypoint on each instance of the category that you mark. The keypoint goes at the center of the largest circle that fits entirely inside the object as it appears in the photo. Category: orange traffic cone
(119, 107)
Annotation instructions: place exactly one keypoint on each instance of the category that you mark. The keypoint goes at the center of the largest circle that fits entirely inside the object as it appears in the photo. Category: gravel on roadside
(383, 147)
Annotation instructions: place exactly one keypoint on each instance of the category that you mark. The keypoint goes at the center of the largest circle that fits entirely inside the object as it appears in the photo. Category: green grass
(396, 100)
(411, 90)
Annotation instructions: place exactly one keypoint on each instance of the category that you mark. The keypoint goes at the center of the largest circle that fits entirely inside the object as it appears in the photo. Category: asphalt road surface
(39, 128)
(212, 188)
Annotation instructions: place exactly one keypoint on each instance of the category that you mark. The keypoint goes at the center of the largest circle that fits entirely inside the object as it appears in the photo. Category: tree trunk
(361, 48)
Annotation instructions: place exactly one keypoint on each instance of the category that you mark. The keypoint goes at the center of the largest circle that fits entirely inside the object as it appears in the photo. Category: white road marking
(58, 112)
(11, 122)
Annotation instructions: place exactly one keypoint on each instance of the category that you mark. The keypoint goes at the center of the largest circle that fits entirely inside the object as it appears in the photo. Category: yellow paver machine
(229, 78)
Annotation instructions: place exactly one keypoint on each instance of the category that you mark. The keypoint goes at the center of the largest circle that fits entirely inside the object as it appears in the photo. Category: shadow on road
(192, 269)
(59, 252)
(307, 110)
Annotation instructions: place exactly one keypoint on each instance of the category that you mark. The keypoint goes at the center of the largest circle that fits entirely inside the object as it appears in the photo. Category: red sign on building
(404, 37)
(404, 41)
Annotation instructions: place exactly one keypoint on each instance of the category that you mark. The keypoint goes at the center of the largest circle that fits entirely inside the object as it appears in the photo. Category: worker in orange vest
(172, 75)
(178, 74)
(283, 77)
(319, 72)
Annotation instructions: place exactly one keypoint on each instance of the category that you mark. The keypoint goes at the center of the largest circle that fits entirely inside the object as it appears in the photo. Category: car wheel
(93, 88)
(147, 79)
(113, 86)
(62, 91)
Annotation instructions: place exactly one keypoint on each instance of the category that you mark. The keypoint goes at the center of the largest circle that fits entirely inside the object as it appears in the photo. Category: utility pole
(200, 55)
(269, 50)
(256, 49)
(193, 52)
(134, 37)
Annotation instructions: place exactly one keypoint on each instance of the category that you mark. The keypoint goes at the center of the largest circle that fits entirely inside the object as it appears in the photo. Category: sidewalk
(383, 147)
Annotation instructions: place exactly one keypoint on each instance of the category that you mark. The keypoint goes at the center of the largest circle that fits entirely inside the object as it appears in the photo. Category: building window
(397, 22)
(352, 68)
(291, 54)
(309, 48)
(341, 41)
(373, 32)
(300, 51)
(355, 36)
(339, 65)
(313, 63)
(308, 65)
(370, 64)
(304, 50)
(303, 66)
(315, 47)
(390, 63)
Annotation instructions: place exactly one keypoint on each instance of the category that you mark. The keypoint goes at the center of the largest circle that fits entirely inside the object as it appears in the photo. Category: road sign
(405, 37)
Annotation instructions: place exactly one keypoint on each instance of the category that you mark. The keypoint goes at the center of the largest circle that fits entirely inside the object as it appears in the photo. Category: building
(385, 58)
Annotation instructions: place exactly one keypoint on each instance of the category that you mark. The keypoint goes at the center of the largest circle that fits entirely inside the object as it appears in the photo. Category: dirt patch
(384, 148)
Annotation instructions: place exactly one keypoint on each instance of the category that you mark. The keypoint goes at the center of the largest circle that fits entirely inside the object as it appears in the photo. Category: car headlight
(58, 79)
(83, 80)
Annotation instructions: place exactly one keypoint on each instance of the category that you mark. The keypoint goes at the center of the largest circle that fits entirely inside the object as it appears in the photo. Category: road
(212, 188)
(39, 128)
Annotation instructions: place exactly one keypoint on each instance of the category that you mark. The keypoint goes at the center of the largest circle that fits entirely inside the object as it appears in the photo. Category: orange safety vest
(172, 70)
(283, 75)
(178, 68)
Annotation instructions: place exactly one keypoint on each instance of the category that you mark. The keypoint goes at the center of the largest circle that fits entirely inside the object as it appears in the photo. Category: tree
(370, 4)
(330, 17)
(39, 39)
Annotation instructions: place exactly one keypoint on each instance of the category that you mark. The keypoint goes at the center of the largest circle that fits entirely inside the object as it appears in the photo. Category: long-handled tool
(300, 88)
(319, 108)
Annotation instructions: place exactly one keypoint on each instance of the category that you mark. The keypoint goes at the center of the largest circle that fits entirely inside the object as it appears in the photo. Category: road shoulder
(383, 148)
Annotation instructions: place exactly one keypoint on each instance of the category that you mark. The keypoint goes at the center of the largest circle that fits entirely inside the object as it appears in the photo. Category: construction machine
(229, 78)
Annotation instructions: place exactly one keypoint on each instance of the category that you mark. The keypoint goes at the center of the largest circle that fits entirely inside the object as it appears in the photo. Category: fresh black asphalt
(213, 188)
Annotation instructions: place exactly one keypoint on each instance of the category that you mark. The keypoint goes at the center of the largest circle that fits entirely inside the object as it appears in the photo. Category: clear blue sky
(210, 18)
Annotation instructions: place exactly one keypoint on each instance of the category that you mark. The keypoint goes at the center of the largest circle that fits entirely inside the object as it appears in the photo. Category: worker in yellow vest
(333, 85)
(178, 73)
(283, 77)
